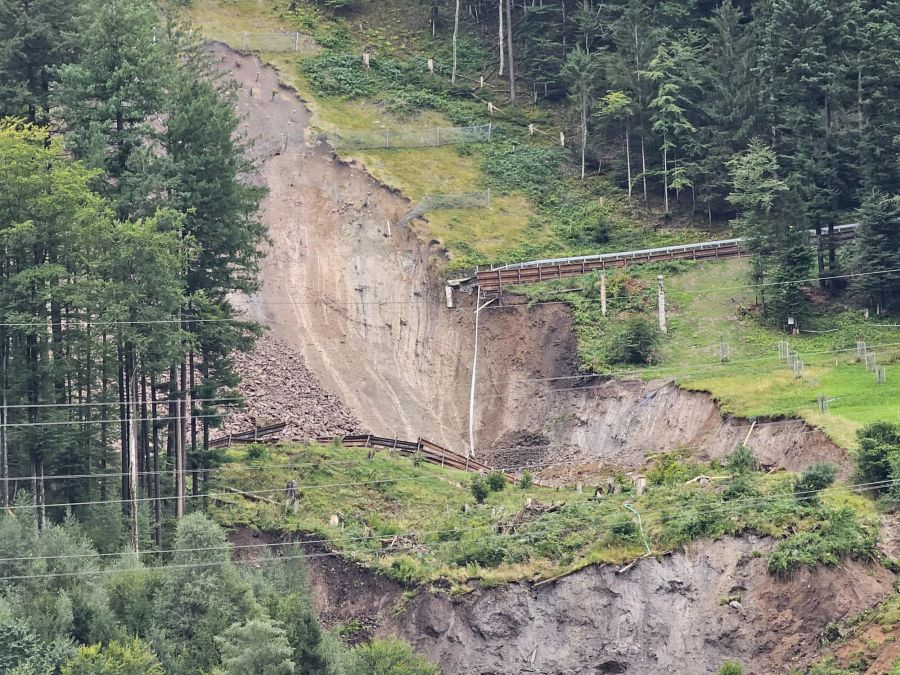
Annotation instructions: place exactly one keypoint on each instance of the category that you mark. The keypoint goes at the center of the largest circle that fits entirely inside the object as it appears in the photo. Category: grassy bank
(538, 207)
(420, 523)
(709, 305)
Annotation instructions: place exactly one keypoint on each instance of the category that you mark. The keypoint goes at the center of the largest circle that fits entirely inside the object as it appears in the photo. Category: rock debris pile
(278, 387)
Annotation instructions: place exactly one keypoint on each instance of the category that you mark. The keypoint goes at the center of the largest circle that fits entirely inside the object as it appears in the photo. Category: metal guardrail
(430, 452)
(643, 253)
(533, 271)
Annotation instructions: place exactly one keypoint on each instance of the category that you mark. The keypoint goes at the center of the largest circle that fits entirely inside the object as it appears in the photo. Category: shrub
(816, 478)
(622, 528)
(669, 469)
(480, 489)
(739, 488)
(731, 668)
(389, 656)
(635, 343)
(484, 552)
(257, 452)
(742, 460)
(526, 480)
(496, 481)
(838, 535)
(879, 443)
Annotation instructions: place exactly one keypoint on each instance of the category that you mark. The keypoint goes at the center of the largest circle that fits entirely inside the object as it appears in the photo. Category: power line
(112, 421)
(403, 302)
(803, 495)
(255, 493)
(364, 461)
(105, 403)
(683, 367)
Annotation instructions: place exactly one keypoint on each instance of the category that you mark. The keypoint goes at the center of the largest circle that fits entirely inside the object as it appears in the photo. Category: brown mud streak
(367, 313)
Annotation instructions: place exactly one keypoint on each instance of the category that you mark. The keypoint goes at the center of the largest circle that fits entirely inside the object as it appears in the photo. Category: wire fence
(462, 200)
(279, 41)
(410, 138)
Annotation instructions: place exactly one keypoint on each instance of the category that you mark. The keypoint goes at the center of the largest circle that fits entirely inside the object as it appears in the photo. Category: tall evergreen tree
(36, 36)
(878, 250)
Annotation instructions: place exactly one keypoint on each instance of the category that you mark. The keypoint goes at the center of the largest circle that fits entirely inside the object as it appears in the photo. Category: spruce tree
(878, 250)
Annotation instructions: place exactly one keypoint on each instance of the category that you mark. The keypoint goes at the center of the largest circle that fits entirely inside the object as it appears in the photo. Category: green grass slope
(420, 523)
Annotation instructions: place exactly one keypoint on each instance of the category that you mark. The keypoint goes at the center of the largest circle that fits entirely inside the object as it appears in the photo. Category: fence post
(490, 128)
(562, 139)
(244, 44)
(531, 129)
(387, 138)
(481, 82)
(366, 59)
(490, 108)
(431, 66)
(297, 41)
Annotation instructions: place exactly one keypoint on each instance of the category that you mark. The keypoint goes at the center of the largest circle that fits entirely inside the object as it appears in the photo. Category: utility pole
(662, 304)
(455, 33)
(603, 293)
(509, 51)
(472, 390)
(133, 447)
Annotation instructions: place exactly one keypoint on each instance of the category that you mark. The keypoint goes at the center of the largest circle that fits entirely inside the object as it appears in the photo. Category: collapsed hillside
(686, 612)
(358, 295)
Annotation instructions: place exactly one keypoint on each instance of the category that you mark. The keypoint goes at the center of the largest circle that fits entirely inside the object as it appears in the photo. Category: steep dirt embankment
(366, 310)
(685, 613)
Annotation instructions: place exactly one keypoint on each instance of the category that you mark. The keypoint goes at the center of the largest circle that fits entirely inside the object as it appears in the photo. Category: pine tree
(36, 36)
(878, 250)
(728, 115)
(581, 74)
(109, 98)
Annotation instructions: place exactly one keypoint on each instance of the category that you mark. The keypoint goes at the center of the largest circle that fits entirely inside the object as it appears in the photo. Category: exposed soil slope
(363, 305)
(684, 613)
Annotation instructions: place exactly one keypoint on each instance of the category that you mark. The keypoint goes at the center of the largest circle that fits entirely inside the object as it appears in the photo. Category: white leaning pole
(472, 390)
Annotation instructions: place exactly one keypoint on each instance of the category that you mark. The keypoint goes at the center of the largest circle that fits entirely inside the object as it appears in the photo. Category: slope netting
(462, 200)
(281, 41)
(410, 138)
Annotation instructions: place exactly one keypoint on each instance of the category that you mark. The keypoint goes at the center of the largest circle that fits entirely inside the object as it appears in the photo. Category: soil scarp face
(363, 304)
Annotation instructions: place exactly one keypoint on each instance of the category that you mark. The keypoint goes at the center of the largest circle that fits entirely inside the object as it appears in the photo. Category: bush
(484, 552)
(731, 668)
(739, 488)
(879, 443)
(622, 528)
(526, 480)
(838, 535)
(257, 452)
(480, 489)
(816, 478)
(635, 343)
(742, 460)
(496, 481)
(670, 469)
(389, 656)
